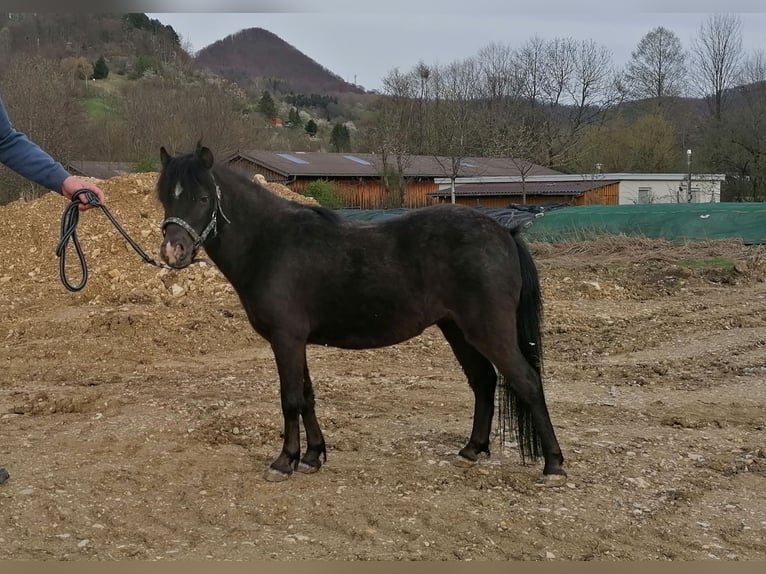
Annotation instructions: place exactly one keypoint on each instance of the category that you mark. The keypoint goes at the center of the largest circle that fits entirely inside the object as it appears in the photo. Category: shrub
(145, 165)
(324, 192)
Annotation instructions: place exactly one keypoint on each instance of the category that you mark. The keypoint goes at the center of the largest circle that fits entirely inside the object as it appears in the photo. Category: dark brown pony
(306, 276)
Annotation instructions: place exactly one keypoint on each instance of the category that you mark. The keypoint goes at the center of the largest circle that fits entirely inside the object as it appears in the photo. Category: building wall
(369, 193)
(505, 200)
(605, 195)
(665, 191)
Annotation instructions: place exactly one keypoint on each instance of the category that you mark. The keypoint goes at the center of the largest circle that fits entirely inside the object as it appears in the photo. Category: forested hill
(120, 38)
(249, 57)
(257, 54)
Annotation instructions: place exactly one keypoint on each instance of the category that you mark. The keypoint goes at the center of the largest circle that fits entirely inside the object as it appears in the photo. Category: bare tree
(523, 126)
(514, 142)
(495, 74)
(753, 68)
(177, 113)
(452, 121)
(592, 89)
(716, 56)
(529, 65)
(507, 97)
(559, 67)
(41, 103)
(743, 152)
(423, 73)
(578, 88)
(397, 127)
(151, 113)
(657, 67)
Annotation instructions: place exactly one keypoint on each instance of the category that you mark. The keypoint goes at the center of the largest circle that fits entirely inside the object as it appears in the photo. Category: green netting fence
(671, 221)
(675, 222)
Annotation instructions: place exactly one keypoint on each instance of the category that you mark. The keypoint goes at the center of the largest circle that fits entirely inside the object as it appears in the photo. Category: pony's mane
(186, 167)
(241, 178)
(327, 214)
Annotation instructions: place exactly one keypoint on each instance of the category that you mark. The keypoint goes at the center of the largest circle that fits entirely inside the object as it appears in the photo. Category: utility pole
(689, 169)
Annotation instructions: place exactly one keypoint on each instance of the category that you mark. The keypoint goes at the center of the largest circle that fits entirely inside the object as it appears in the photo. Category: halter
(211, 229)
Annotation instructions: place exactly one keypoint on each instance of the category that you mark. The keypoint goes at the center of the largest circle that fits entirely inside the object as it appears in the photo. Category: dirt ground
(137, 416)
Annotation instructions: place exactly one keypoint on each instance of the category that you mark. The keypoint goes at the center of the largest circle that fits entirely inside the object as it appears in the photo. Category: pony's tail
(529, 317)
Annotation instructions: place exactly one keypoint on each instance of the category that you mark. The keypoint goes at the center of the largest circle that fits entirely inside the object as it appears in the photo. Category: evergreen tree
(311, 128)
(295, 118)
(267, 107)
(100, 69)
(340, 138)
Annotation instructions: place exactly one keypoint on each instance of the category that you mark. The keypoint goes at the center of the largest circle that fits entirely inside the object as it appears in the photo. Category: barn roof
(572, 188)
(323, 164)
(99, 169)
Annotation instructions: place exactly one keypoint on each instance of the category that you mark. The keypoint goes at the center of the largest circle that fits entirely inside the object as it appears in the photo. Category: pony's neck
(250, 211)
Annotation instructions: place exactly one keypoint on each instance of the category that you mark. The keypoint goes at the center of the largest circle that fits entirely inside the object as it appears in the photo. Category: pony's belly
(360, 342)
(370, 335)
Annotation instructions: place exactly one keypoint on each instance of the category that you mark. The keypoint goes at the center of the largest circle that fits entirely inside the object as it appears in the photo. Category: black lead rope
(69, 222)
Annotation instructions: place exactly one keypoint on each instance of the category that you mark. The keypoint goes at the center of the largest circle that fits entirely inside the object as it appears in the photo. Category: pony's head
(191, 198)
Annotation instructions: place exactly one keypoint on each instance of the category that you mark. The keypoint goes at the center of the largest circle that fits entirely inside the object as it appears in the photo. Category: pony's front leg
(290, 356)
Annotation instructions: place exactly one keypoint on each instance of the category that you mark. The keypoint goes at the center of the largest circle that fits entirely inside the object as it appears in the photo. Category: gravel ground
(137, 416)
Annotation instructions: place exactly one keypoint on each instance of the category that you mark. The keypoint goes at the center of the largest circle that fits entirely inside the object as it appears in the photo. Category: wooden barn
(359, 179)
(575, 192)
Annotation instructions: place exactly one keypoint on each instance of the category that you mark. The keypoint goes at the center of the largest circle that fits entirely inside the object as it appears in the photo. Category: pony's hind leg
(482, 380)
(526, 400)
(498, 342)
(525, 396)
(315, 445)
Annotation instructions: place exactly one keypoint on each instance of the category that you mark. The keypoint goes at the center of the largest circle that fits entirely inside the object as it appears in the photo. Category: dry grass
(639, 248)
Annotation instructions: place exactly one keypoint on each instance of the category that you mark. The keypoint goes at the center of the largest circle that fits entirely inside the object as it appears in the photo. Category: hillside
(256, 53)
(120, 38)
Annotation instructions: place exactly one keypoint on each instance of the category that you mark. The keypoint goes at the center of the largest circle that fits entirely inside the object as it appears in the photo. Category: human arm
(30, 161)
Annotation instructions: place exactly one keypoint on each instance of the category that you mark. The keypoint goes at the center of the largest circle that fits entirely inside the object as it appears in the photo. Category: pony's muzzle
(177, 252)
(173, 255)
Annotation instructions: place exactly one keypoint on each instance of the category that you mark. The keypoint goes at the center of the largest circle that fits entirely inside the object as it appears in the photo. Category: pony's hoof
(548, 480)
(463, 462)
(307, 468)
(274, 475)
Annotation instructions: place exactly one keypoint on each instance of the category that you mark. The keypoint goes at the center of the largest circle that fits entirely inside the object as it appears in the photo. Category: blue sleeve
(26, 158)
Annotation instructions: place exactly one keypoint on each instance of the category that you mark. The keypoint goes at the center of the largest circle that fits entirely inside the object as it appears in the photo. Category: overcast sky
(362, 44)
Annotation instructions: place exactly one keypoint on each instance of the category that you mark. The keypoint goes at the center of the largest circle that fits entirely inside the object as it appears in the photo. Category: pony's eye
(204, 199)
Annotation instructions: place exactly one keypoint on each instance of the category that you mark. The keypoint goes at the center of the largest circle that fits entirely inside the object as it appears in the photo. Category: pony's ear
(205, 156)
(164, 156)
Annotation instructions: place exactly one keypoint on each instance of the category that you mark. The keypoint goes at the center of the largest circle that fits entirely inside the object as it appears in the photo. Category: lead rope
(69, 220)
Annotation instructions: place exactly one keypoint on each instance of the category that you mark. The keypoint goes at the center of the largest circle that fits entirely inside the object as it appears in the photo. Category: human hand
(73, 184)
